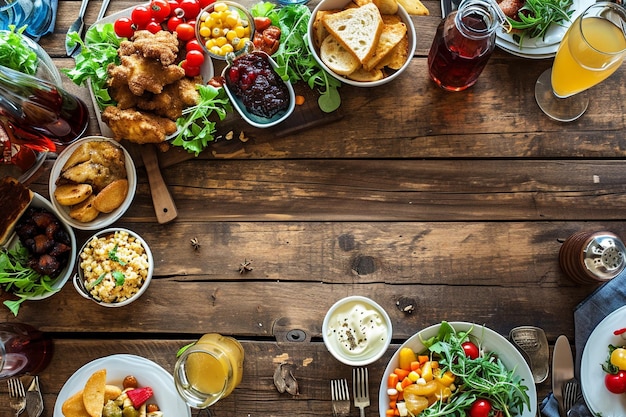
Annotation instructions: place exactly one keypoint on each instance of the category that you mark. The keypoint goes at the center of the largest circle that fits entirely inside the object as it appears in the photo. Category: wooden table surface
(456, 201)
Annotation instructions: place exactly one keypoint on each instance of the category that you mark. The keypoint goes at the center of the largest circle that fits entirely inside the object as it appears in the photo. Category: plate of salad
(539, 33)
(599, 399)
(437, 372)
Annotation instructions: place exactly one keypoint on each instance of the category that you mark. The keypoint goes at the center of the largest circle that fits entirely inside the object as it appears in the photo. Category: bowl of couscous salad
(115, 267)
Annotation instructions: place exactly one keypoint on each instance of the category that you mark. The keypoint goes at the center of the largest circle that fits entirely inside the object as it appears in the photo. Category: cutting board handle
(164, 206)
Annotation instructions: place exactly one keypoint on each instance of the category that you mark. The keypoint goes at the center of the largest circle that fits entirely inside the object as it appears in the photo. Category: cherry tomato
(173, 22)
(618, 358)
(190, 71)
(141, 16)
(471, 350)
(185, 32)
(160, 10)
(205, 3)
(194, 58)
(616, 383)
(191, 8)
(153, 27)
(261, 23)
(193, 45)
(480, 408)
(124, 27)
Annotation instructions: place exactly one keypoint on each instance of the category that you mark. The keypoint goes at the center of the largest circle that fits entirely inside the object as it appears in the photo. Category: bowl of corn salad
(224, 27)
(115, 267)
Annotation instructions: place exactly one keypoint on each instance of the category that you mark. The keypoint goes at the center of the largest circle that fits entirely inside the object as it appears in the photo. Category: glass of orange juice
(209, 370)
(592, 49)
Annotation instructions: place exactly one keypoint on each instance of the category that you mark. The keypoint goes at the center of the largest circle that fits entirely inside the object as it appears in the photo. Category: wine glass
(592, 49)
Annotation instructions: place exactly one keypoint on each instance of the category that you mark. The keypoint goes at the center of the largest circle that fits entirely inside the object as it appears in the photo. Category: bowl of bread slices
(364, 43)
(92, 183)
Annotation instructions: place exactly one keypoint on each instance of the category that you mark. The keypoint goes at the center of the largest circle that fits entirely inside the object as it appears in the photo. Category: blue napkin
(587, 315)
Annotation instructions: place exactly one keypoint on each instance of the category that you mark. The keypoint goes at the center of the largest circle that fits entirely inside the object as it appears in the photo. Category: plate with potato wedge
(90, 388)
(92, 183)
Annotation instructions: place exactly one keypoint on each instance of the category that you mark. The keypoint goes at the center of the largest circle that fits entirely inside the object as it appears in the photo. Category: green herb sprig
(19, 279)
(294, 58)
(483, 377)
(537, 16)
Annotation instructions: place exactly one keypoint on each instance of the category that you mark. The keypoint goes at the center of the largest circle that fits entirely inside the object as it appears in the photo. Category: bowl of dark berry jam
(256, 90)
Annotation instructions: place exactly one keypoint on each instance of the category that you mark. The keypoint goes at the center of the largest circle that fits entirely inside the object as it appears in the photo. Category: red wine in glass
(23, 350)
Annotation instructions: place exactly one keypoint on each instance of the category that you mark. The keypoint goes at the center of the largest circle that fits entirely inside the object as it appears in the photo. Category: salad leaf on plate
(14, 54)
(537, 16)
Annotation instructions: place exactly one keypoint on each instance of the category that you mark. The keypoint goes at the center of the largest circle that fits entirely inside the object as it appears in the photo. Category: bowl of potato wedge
(363, 43)
(92, 183)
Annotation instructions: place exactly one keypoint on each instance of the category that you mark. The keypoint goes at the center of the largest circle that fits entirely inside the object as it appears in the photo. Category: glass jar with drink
(23, 350)
(209, 370)
(463, 43)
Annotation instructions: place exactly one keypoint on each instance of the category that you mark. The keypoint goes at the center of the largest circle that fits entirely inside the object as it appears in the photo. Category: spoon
(78, 26)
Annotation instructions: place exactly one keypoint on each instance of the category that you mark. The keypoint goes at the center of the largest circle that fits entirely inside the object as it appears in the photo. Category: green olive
(111, 410)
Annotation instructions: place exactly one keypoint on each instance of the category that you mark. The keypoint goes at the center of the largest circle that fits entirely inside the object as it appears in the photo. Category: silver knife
(77, 27)
(562, 369)
(34, 401)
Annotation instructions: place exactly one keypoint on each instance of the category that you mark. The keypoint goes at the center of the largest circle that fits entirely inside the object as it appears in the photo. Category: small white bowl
(240, 10)
(78, 279)
(103, 219)
(339, 5)
(344, 338)
(40, 202)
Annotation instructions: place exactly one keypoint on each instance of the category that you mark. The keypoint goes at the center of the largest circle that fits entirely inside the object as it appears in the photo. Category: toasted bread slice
(357, 29)
(319, 31)
(414, 7)
(397, 57)
(363, 75)
(337, 58)
(16, 198)
(389, 38)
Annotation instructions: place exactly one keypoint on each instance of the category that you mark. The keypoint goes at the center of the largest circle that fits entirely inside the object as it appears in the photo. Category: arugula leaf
(19, 279)
(195, 127)
(97, 51)
(536, 16)
(16, 55)
(294, 58)
(113, 256)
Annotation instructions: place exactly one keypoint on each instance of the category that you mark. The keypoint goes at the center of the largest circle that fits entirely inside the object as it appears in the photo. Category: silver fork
(360, 382)
(16, 392)
(571, 394)
(341, 397)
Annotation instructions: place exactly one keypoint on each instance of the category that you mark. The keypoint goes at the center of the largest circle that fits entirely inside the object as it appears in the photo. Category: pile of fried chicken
(150, 88)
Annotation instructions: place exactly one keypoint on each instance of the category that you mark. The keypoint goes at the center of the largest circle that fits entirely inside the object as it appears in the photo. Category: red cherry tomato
(616, 383)
(205, 3)
(194, 58)
(191, 8)
(185, 32)
(153, 27)
(480, 408)
(173, 22)
(160, 10)
(141, 16)
(471, 350)
(124, 27)
(261, 23)
(193, 45)
(190, 71)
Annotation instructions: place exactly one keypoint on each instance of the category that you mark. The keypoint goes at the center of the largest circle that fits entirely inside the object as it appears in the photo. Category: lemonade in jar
(209, 370)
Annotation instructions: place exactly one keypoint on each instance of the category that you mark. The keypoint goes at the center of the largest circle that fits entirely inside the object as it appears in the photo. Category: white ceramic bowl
(40, 202)
(346, 343)
(79, 279)
(340, 4)
(103, 219)
(491, 341)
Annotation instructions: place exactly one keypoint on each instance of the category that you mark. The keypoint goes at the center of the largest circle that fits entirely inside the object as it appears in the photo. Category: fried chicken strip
(136, 126)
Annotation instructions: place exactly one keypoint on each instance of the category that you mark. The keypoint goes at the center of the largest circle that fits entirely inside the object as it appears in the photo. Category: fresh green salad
(14, 54)
(537, 16)
(294, 59)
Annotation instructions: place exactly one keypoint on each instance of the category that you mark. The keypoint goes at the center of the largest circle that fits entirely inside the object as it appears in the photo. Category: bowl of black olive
(257, 92)
(45, 245)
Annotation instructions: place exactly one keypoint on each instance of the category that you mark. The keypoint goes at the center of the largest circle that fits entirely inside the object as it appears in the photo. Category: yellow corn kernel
(231, 20)
(215, 50)
(230, 35)
(240, 31)
(204, 31)
(220, 7)
(221, 41)
(226, 48)
(413, 376)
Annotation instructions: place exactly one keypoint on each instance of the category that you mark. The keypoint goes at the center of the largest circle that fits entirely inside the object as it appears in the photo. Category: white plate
(491, 341)
(540, 46)
(147, 373)
(595, 353)
(207, 71)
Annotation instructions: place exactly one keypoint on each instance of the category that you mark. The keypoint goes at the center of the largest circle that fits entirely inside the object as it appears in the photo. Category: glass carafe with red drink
(463, 43)
(23, 350)
(39, 113)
